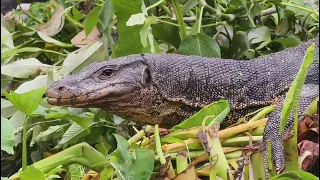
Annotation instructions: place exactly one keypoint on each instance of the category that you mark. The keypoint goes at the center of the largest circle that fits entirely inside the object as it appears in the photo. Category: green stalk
(218, 13)
(240, 141)
(182, 161)
(257, 163)
(167, 22)
(246, 173)
(262, 113)
(211, 143)
(154, 5)
(179, 15)
(81, 153)
(213, 173)
(139, 135)
(166, 9)
(291, 146)
(158, 144)
(200, 18)
(24, 143)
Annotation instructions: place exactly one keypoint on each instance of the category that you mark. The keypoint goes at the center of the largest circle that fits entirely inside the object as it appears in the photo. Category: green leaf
(259, 35)
(26, 102)
(200, 45)
(103, 146)
(240, 45)
(293, 94)
(91, 20)
(31, 173)
(290, 41)
(62, 113)
(131, 168)
(296, 175)
(167, 33)
(77, 15)
(129, 41)
(219, 110)
(7, 135)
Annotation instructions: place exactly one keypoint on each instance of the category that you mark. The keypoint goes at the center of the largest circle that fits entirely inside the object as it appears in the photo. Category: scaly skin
(165, 89)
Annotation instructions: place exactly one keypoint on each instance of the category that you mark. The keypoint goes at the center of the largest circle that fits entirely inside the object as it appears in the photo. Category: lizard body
(165, 89)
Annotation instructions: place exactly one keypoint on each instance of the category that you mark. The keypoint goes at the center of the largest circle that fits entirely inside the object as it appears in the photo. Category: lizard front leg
(271, 132)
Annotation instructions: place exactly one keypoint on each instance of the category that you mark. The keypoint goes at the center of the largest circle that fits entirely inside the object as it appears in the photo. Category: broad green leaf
(52, 133)
(7, 135)
(25, 68)
(290, 41)
(167, 33)
(31, 173)
(91, 20)
(103, 146)
(240, 45)
(26, 102)
(132, 167)
(73, 134)
(296, 175)
(129, 41)
(136, 19)
(293, 94)
(219, 110)
(62, 113)
(77, 15)
(36, 83)
(259, 35)
(200, 45)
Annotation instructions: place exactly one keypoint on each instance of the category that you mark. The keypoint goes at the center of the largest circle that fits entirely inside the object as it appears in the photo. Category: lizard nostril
(61, 88)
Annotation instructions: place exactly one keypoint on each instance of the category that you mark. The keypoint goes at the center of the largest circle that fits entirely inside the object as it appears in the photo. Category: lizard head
(102, 84)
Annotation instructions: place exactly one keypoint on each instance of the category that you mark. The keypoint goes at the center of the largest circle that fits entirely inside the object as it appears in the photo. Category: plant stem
(139, 135)
(200, 18)
(24, 143)
(166, 9)
(167, 22)
(158, 144)
(215, 24)
(179, 15)
(154, 5)
(229, 17)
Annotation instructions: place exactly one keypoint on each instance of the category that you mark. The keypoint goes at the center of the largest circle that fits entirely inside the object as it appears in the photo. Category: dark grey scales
(168, 88)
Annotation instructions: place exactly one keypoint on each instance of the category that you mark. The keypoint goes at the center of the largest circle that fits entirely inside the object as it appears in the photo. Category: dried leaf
(81, 39)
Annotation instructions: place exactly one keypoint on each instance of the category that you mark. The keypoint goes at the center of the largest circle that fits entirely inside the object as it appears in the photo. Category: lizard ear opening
(147, 76)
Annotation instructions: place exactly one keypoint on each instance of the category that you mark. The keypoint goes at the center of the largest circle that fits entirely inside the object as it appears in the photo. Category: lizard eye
(107, 72)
